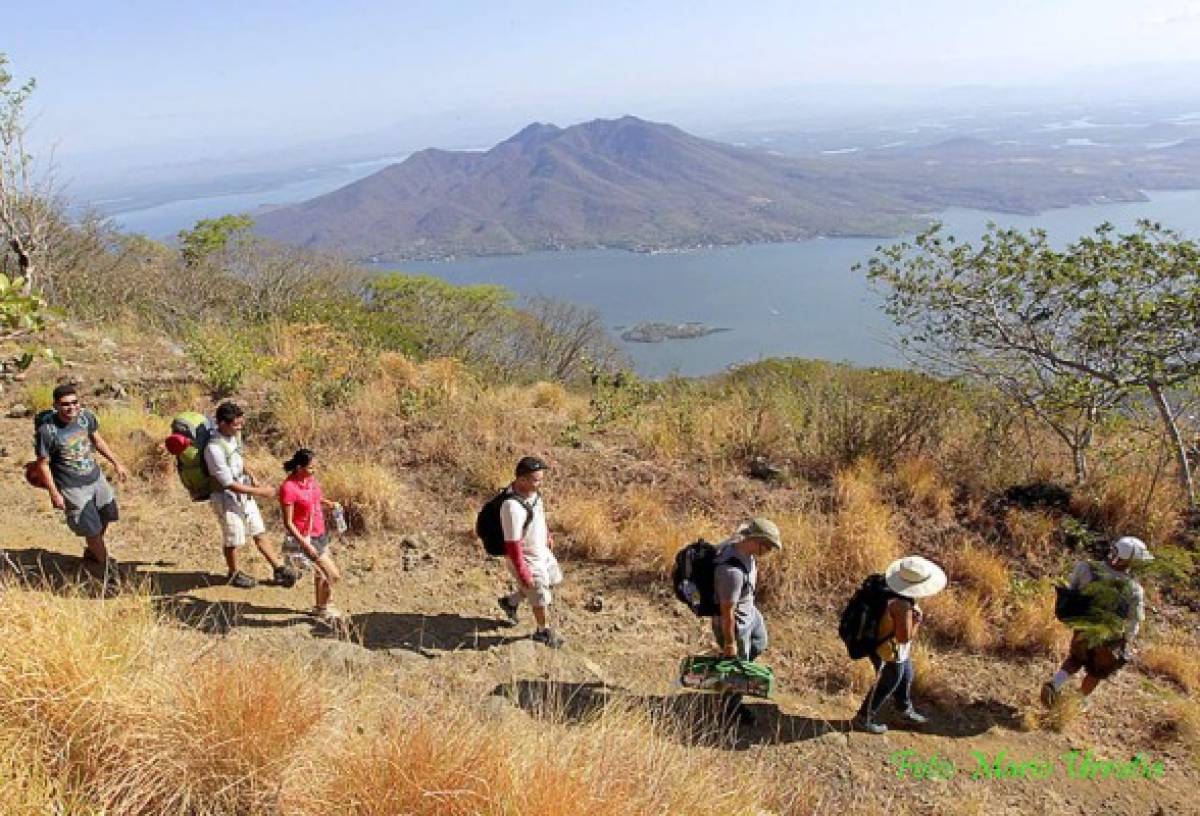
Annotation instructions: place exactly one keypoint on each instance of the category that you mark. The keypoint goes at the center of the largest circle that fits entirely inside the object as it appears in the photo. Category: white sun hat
(915, 577)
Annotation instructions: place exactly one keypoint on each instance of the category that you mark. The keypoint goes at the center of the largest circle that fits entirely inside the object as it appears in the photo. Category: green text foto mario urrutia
(911, 764)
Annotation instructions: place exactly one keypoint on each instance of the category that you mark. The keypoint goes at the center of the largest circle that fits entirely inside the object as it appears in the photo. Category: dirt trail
(427, 611)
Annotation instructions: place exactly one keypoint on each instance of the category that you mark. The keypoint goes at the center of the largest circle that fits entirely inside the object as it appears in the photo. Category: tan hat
(915, 577)
(763, 529)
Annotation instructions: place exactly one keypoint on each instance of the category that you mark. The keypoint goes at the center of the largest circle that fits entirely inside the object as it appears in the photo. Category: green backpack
(727, 674)
(200, 432)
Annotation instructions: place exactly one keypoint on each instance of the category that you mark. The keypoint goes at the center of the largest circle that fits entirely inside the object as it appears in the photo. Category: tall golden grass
(109, 711)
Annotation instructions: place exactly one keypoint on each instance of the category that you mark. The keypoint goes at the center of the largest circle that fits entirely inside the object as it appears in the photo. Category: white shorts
(239, 518)
(545, 573)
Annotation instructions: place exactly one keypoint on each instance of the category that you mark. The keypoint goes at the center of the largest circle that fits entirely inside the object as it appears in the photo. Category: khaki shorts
(545, 573)
(239, 518)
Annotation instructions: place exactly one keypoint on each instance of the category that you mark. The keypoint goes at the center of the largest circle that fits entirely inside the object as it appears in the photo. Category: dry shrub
(1031, 628)
(295, 417)
(983, 572)
(864, 536)
(1034, 534)
(1174, 662)
(923, 490)
(1131, 502)
(587, 526)
(1066, 710)
(234, 727)
(799, 569)
(651, 532)
(958, 617)
(38, 396)
(448, 761)
(370, 417)
(398, 370)
(373, 496)
(548, 396)
(136, 438)
(1180, 722)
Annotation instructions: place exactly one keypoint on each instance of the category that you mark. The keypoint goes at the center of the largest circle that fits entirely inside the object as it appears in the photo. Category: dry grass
(1174, 662)
(136, 438)
(1030, 626)
(107, 711)
(864, 530)
(1033, 535)
(38, 396)
(1133, 502)
(959, 617)
(374, 498)
(1180, 722)
(923, 490)
(983, 572)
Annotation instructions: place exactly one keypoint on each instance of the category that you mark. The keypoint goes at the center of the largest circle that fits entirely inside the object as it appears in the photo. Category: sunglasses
(69, 404)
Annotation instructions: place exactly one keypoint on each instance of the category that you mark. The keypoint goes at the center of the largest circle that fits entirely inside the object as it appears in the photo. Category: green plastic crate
(726, 674)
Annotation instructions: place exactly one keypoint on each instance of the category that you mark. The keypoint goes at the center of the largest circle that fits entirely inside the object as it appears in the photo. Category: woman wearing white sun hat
(1090, 649)
(908, 579)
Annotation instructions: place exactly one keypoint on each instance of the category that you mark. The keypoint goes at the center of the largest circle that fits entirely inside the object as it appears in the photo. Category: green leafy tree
(1072, 331)
(212, 236)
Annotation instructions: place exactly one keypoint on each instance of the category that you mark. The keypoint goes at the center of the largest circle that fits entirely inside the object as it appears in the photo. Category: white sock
(1058, 679)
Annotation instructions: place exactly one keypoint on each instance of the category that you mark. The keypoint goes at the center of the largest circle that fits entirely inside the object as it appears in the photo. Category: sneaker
(242, 581)
(326, 614)
(863, 724)
(285, 576)
(510, 608)
(1049, 694)
(548, 637)
(913, 716)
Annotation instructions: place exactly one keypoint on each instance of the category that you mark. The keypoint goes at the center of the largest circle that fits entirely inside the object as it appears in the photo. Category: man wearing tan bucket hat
(908, 579)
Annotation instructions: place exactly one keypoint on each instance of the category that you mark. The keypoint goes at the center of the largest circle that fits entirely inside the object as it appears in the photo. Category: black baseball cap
(530, 464)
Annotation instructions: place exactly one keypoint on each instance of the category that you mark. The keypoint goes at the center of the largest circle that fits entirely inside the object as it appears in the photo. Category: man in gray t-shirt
(66, 448)
(739, 627)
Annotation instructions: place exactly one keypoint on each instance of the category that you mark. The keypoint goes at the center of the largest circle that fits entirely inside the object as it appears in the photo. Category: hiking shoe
(242, 581)
(913, 716)
(326, 614)
(510, 608)
(1049, 694)
(548, 637)
(285, 576)
(871, 727)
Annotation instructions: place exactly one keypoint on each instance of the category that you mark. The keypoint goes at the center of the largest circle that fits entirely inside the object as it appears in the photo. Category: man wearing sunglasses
(66, 449)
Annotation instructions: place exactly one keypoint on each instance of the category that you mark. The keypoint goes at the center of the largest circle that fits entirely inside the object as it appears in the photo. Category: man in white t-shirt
(527, 549)
(233, 504)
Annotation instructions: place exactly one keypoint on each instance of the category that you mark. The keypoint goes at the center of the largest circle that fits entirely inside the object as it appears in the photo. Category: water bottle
(692, 593)
(339, 519)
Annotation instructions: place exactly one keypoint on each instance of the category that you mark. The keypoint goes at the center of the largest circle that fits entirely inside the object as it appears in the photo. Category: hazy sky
(220, 75)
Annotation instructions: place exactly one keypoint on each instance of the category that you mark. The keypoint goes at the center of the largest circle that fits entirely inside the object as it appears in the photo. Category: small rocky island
(658, 332)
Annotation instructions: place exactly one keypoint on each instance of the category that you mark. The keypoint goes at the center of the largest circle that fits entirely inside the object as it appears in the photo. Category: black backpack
(488, 527)
(859, 626)
(693, 578)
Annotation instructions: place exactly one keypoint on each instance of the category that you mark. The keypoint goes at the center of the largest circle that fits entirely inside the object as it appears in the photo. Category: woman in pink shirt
(301, 500)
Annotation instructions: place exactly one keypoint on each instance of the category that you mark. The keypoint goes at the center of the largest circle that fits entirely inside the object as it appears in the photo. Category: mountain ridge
(620, 182)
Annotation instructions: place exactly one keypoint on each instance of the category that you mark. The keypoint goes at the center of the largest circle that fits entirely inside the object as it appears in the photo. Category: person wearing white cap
(739, 627)
(1105, 658)
(907, 579)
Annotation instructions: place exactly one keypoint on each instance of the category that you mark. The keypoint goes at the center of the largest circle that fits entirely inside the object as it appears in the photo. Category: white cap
(1129, 548)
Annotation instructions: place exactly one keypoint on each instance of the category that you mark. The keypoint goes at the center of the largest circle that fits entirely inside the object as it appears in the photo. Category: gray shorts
(90, 508)
(292, 548)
